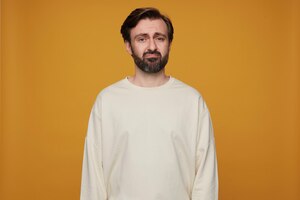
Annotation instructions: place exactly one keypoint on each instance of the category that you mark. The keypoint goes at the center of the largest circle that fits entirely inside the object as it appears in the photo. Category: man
(149, 136)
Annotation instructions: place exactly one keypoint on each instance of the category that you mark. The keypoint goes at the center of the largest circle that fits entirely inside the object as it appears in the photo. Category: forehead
(150, 26)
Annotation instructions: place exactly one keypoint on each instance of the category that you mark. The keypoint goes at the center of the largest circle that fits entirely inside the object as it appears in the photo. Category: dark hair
(144, 13)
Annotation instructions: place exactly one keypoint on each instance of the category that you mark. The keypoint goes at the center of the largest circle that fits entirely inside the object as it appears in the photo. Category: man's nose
(152, 45)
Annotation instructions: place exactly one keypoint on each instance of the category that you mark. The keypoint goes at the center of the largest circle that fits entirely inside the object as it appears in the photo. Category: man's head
(148, 35)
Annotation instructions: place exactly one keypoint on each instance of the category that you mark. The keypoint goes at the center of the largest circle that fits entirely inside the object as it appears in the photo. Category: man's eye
(141, 39)
(161, 39)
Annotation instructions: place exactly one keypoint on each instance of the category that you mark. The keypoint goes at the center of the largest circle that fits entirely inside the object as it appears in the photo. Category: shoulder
(111, 89)
(191, 93)
(186, 89)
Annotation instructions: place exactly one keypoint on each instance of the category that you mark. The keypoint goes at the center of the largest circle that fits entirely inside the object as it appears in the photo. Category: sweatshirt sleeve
(92, 182)
(206, 180)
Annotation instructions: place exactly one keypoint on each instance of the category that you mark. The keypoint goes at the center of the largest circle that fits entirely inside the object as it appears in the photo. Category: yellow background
(243, 56)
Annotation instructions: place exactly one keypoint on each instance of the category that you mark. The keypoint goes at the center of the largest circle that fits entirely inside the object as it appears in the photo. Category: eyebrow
(155, 35)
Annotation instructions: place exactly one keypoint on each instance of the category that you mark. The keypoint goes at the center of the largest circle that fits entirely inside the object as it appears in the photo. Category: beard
(152, 64)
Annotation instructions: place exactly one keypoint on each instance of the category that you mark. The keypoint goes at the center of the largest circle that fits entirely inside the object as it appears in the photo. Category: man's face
(149, 45)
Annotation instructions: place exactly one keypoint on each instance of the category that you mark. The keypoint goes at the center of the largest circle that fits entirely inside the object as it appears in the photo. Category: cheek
(164, 49)
(139, 50)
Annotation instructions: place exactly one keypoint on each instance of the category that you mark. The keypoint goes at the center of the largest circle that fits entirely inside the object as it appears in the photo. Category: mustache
(152, 52)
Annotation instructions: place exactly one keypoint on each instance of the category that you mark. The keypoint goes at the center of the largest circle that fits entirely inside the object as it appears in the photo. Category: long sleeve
(206, 180)
(92, 182)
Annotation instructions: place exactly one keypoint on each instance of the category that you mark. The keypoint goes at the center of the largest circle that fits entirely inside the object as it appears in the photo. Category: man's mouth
(152, 59)
(152, 56)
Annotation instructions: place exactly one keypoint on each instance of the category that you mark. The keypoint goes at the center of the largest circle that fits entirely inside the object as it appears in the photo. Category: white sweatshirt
(149, 143)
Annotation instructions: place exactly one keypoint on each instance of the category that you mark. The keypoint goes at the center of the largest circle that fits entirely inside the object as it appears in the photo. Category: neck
(143, 79)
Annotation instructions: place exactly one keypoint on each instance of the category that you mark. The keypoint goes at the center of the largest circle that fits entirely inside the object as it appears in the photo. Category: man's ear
(128, 47)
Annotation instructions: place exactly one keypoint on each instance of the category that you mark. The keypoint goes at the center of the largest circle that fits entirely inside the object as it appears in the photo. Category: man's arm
(206, 180)
(92, 183)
